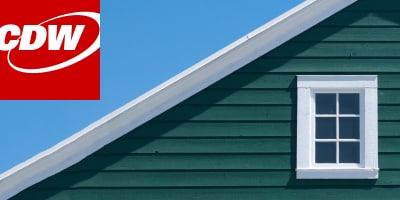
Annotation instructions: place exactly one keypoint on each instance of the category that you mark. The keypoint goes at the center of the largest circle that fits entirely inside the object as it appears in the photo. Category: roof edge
(167, 95)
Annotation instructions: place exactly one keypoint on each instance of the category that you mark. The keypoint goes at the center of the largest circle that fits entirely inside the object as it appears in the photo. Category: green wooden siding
(237, 138)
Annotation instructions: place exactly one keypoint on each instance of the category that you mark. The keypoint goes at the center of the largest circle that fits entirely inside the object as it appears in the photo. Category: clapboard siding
(350, 35)
(287, 81)
(202, 145)
(237, 138)
(229, 113)
(221, 145)
(269, 97)
(324, 65)
(376, 19)
(375, 6)
(213, 129)
(347, 50)
(251, 113)
(214, 161)
(187, 162)
(234, 129)
(225, 193)
(215, 178)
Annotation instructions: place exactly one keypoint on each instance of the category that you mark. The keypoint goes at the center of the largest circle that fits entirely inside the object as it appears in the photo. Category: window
(337, 135)
(337, 127)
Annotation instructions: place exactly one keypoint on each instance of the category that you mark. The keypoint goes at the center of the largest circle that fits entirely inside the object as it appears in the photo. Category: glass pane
(349, 128)
(349, 152)
(325, 127)
(325, 152)
(325, 103)
(349, 103)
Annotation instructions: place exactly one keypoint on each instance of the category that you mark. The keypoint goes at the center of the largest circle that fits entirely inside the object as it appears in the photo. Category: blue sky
(144, 42)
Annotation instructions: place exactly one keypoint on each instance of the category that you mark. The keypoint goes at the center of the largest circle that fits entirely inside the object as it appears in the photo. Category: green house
(304, 107)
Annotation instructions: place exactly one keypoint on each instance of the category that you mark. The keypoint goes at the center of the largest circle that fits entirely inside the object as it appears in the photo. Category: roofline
(167, 95)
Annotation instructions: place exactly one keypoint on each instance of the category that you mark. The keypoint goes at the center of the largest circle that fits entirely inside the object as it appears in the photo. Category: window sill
(360, 173)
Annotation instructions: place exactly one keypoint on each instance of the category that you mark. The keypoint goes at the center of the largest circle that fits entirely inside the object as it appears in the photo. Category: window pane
(325, 127)
(349, 128)
(349, 152)
(325, 103)
(325, 152)
(349, 104)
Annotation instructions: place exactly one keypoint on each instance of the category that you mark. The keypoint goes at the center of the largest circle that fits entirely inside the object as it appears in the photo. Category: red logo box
(50, 50)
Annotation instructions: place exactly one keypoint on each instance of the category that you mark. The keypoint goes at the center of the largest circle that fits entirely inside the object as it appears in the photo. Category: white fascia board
(168, 94)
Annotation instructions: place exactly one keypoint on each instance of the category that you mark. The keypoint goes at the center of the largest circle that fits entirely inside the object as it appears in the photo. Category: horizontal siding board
(220, 145)
(267, 97)
(389, 128)
(251, 113)
(389, 81)
(389, 145)
(234, 129)
(256, 81)
(200, 145)
(236, 112)
(251, 178)
(389, 161)
(355, 19)
(167, 179)
(386, 112)
(213, 129)
(243, 193)
(388, 96)
(328, 65)
(375, 6)
(186, 162)
(287, 82)
(347, 50)
(250, 97)
(350, 34)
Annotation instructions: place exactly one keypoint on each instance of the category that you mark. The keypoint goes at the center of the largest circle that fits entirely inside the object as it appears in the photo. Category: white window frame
(366, 86)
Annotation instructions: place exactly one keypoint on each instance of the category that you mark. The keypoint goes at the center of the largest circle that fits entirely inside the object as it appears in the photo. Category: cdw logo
(50, 53)
(55, 39)
(55, 34)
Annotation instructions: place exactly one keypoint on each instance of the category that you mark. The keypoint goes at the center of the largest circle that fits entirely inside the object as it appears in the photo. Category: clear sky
(144, 42)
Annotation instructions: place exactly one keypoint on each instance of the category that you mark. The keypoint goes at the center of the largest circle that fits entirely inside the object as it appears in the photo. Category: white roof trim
(167, 95)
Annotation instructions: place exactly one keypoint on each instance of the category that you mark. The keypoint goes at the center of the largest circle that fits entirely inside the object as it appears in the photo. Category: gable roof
(167, 95)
